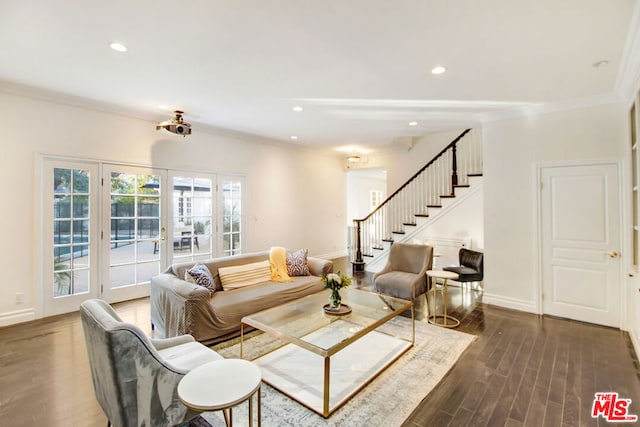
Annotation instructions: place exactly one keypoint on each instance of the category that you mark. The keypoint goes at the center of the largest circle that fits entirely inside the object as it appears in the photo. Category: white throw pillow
(238, 276)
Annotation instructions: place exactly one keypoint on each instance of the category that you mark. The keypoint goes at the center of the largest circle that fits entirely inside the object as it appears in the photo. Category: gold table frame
(293, 322)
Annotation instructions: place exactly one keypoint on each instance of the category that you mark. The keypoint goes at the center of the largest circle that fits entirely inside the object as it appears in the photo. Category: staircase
(426, 195)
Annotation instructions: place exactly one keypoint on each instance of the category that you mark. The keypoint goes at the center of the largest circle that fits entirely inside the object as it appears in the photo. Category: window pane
(61, 232)
(80, 256)
(81, 206)
(148, 184)
(148, 250)
(81, 181)
(62, 284)
(202, 188)
(226, 242)
(146, 271)
(80, 231)
(148, 228)
(80, 281)
(149, 206)
(122, 206)
(61, 180)
(62, 258)
(122, 183)
(235, 226)
(62, 207)
(122, 229)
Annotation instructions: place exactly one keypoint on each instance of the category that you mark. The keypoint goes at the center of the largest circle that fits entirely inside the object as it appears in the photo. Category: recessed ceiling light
(163, 107)
(119, 47)
(297, 108)
(413, 123)
(602, 63)
(438, 70)
(293, 137)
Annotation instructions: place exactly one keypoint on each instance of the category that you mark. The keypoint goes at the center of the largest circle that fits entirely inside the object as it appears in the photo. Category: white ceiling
(359, 68)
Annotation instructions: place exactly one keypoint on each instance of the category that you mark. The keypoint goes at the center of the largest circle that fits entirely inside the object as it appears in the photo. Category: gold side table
(446, 320)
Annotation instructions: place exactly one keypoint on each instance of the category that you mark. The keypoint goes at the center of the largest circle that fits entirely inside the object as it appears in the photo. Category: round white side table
(221, 385)
(446, 320)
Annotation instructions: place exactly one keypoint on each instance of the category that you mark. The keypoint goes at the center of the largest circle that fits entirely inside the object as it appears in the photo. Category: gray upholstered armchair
(404, 275)
(135, 378)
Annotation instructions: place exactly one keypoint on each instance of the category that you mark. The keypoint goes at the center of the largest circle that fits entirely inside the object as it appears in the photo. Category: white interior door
(580, 237)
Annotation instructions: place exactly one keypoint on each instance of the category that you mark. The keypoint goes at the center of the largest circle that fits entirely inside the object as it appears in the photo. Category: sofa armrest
(162, 343)
(171, 302)
(319, 266)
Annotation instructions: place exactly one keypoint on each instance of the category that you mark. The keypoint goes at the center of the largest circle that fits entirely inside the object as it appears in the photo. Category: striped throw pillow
(238, 276)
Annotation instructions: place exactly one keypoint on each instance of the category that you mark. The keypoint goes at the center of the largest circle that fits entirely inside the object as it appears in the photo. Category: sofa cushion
(297, 263)
(244, 275)
(200, 275)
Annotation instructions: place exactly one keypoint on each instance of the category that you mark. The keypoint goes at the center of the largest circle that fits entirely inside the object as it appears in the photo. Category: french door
(109, 228)
(70, 214)
(132, 230)
(191, 230)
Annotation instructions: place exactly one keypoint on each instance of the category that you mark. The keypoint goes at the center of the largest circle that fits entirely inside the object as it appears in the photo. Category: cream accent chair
(405, 274)
(135, 378)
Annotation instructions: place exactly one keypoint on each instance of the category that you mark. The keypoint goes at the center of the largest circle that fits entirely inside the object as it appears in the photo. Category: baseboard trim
(634, 341)
(507, 302)
(18, 316)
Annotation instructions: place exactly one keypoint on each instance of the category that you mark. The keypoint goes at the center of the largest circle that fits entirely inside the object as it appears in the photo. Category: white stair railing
(437, 179)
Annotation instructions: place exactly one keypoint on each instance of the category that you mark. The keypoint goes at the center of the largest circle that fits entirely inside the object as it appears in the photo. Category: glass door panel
(134, 230)
(192, 217)
(232, 215)
(70, 234)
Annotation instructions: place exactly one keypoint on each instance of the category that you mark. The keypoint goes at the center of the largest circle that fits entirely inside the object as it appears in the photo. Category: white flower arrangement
(336, 281)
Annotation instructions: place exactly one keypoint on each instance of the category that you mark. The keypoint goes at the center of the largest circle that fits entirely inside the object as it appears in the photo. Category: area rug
(387, 401)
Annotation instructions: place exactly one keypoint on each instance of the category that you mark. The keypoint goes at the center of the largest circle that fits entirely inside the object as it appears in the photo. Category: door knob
(613, 254)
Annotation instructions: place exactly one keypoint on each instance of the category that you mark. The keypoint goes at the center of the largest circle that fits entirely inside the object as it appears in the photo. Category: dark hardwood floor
(522, 369)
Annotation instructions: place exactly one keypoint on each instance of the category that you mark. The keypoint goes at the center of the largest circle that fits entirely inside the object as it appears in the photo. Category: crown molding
(551, 107)
(628, 79)
(60, 98)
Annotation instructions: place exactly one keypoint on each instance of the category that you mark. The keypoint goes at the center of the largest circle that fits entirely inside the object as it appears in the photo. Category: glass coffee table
(324, 359)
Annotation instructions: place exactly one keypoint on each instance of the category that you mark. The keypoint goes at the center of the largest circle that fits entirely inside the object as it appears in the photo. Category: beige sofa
(179, 307)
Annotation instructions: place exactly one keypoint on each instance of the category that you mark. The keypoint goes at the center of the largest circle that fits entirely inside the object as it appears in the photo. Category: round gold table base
(447, 321)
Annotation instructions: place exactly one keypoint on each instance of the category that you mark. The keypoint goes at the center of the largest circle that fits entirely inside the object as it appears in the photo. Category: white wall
(512, 149)
(402, 162)
(359, 184)
(296, 197)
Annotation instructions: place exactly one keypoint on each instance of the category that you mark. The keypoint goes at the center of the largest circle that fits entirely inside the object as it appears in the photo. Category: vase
(334, 298)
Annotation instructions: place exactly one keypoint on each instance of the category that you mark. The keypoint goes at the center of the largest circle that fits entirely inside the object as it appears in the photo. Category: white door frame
(538, 236)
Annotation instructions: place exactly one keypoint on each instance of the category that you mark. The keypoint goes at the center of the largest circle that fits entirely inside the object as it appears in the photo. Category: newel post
(454, 172)
(358, 263)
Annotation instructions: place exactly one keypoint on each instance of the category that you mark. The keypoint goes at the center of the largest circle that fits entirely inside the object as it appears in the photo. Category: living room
(296, 191)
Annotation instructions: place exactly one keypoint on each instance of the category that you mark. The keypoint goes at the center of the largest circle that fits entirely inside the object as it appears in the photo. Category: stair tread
(412, 224)
(447, 197)
(388, 240)
(422, 215)
(474, 174)
(434, 206)
(398, 232)
(462, 186)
